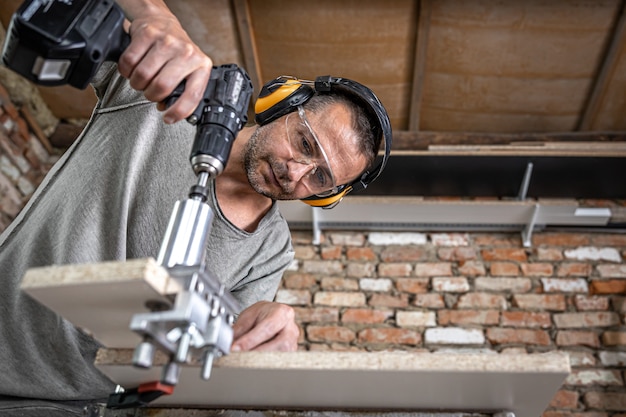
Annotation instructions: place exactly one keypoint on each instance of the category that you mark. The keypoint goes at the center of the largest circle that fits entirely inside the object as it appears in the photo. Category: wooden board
(100, 298)
(522, 384)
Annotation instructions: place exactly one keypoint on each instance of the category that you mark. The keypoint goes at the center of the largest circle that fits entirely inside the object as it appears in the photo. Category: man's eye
(320, 177)
(307, 150)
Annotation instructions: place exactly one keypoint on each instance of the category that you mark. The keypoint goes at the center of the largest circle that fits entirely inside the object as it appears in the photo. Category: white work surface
(103, 297)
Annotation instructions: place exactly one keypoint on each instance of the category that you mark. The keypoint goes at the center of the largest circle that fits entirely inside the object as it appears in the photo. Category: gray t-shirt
(110, 198)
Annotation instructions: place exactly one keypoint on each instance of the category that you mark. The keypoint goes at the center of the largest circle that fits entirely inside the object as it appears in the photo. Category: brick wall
(25, 157)
(473, 292)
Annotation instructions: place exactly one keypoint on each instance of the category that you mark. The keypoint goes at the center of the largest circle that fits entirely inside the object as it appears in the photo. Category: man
(111, 194)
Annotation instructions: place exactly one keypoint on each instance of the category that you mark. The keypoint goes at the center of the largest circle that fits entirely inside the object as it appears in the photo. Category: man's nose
(300, 169)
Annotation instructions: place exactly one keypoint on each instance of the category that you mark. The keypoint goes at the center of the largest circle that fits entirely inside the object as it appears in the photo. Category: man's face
(303, 154)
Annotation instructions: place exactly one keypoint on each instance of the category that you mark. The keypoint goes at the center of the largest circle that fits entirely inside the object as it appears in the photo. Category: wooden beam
(419, 65)
(248, 45)
(603, 78)
(413, 141)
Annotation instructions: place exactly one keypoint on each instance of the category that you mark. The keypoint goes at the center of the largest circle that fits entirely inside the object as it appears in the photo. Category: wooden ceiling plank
(602, 81)
(248, 44)
(419, 66)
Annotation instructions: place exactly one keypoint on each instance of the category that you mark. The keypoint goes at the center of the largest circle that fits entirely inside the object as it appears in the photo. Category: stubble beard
(254, 157)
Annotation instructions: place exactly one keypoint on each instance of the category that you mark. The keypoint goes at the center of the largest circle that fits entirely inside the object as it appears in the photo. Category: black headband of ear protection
(284, 94)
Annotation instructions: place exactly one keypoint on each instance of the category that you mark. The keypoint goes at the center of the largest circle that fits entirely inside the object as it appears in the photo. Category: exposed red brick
(433, 269)
(463, 317)
(347, 239)
(365, 315)
(613, 401)
(388, 300)
(504, 254)
(612, 286)
(481, 301)
(565, 399)
(329, 334)
(395, 270)
(549, 254)
(331, 252)
(428, 301)
(586, 319)
(614, 338)
(403, 254)
(316, 314)
(496, 239)
(339, 284)
(610, 239)
(526, 319)
(537, 269)
(472, 269)
(296, 280)
(412, 285)
(574, 269)
(506, 336)
(456, 253)
(577, 338)
(503, 269)
(560, 239)
(389, 335)
(554, 302)
(360, 254)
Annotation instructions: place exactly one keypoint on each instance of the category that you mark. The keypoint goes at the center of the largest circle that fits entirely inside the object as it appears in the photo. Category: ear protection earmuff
(284, 94)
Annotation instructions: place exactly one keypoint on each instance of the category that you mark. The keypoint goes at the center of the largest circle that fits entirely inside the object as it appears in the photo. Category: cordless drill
(58, 42)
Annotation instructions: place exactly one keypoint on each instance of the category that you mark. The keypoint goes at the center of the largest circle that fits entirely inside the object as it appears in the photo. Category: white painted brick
(590, 253)
(579, 359)
(400, 238)
(293, 297)
(450, 284)
(373, 284)
(593, 377)
(25, 186)
(613, 358)
(335, 298)
(449, 239)
(565, 285)
(498, 284)
(454, 336)
(8, 169)
(416, 318)
(22, 164)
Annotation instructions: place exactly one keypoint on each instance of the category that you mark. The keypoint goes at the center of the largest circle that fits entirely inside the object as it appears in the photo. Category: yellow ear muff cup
(268, 101)
(326, 202)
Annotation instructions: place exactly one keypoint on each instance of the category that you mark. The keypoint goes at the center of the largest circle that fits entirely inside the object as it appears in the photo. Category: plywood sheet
(523, 384)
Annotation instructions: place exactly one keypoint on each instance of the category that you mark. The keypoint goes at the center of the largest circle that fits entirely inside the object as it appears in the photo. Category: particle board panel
(523, 384)
(100, 298)
(103, 297)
